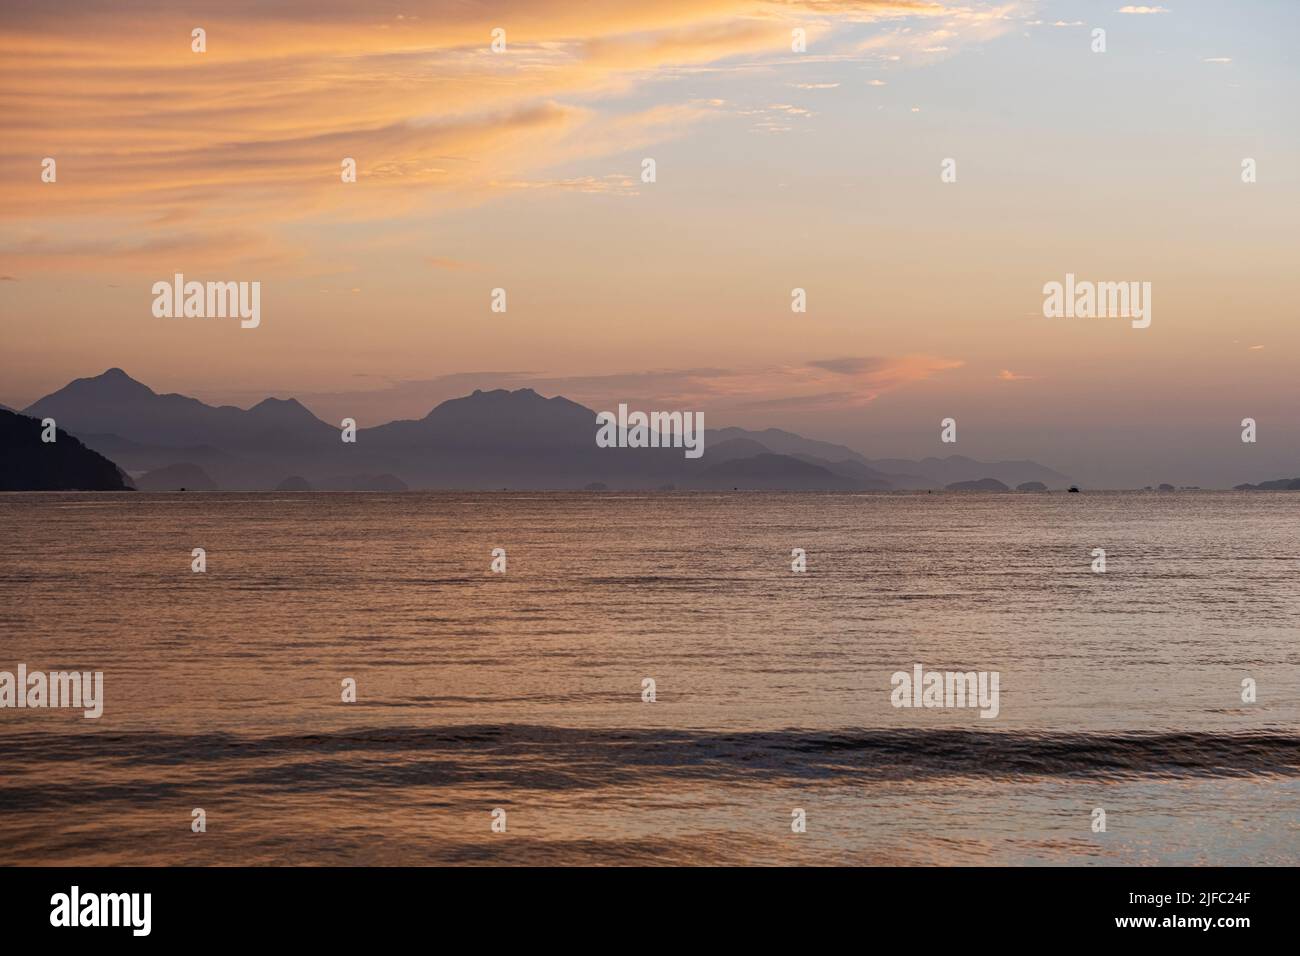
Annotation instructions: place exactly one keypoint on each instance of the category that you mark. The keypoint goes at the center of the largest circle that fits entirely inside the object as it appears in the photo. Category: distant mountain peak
(113, 374)
(502, 393)
(111, 387)
(493, 400)
(115, 379)
(282, 410)
(281, 405)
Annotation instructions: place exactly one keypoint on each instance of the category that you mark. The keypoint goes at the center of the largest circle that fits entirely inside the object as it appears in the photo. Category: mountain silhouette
(1277, 484)
(785, 443)
(488, 439)
(865, 476)
(941, 472)
(494, 420)
(730, 448)
(116, 404)
(773, 472)
(29, 464)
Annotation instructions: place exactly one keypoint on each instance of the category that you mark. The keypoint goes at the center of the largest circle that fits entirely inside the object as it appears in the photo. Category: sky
(775, 170)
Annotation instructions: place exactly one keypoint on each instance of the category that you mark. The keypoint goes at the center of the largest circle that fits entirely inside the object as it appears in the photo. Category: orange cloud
(150, 136)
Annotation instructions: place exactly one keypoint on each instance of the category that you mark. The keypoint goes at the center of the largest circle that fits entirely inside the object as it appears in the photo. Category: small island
(1278, 484)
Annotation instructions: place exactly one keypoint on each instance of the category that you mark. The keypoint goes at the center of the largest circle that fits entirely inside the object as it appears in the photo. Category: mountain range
(489, 439)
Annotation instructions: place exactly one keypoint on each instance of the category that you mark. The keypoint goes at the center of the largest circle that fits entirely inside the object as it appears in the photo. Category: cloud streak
(149, 135)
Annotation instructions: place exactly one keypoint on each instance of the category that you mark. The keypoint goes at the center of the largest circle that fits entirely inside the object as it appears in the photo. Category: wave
(568, 758)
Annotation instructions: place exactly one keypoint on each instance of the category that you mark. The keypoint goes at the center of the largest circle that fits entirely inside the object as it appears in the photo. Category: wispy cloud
(166, 145)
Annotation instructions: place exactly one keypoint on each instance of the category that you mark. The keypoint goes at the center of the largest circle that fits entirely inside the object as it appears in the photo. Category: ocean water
(523, 691)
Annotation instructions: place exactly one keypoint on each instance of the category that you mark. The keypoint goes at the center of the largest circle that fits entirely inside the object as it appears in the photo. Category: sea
(606, 678)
